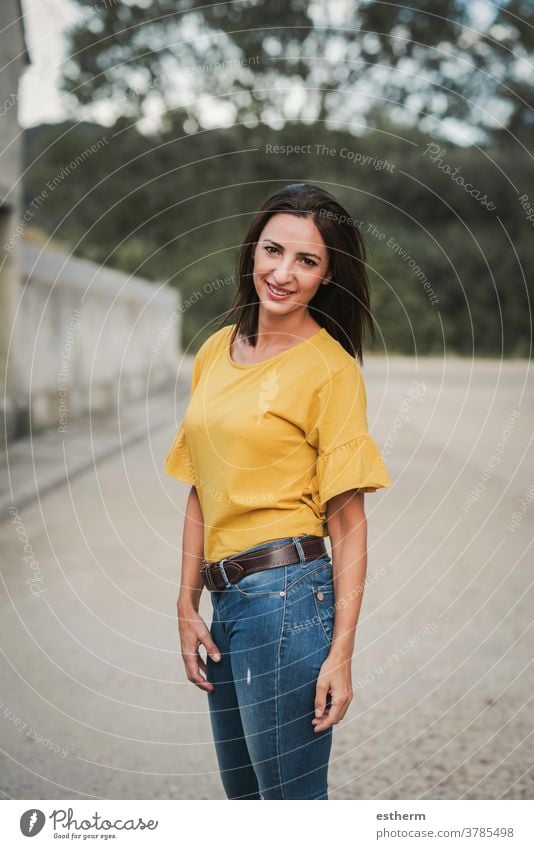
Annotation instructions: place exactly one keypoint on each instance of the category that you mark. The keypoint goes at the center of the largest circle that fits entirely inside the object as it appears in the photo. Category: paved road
(94, 702)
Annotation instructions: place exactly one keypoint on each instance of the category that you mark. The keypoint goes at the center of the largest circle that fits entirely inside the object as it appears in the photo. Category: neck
(276, 330)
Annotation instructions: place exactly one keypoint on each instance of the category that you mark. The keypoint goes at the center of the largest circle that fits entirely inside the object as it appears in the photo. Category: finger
(321, 692)
(323, 724)
(316, 720)
(210, 647)
(205, 685)
(343, 706)
(201, 683)
(333, 716)
(193, 673)
(343, 711)
(348, 700)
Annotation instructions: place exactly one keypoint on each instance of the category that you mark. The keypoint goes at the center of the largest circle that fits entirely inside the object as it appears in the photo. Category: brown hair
(343, 306)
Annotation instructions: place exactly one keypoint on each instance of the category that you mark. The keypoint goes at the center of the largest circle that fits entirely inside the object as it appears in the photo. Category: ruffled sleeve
(347, 455)
(178, 463)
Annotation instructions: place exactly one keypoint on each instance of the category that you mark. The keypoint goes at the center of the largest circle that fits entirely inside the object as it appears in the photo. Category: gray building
(14, 59)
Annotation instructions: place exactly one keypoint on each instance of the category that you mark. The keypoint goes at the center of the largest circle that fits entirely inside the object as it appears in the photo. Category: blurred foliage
(448, 59)
(167, 198)
(173, 207)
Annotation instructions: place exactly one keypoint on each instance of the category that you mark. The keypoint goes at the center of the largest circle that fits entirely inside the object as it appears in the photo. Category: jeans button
(320, 595)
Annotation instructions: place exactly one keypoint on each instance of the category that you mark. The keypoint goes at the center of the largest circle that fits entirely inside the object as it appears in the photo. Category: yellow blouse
(268, 444)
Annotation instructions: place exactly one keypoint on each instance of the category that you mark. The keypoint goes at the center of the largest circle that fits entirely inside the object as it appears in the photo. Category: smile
(279, 293)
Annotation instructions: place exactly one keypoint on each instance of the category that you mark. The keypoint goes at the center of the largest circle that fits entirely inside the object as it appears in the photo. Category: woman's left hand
(335, 677)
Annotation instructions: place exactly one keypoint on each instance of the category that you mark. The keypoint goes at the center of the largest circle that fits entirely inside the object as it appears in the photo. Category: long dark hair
(343, 306)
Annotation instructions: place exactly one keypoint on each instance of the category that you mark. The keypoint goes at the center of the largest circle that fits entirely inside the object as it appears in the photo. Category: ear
(327, 279)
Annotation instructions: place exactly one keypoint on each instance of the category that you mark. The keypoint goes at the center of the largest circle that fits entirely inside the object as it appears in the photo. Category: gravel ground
(94, 700)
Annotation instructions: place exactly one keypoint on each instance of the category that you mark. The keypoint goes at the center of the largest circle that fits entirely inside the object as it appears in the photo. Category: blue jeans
(274, 630)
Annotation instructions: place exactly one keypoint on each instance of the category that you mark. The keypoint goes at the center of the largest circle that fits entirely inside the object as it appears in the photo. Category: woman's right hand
(193, 633)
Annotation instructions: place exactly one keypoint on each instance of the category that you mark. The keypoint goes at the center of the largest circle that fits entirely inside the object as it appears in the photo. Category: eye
(272, 249)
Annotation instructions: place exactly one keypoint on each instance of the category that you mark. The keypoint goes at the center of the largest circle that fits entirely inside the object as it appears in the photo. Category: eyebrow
(300, 253)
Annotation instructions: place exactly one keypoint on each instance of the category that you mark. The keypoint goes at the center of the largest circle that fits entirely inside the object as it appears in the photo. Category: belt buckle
(205, 572)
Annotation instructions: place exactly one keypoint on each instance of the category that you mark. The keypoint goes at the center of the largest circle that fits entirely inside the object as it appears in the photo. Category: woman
(275, 443)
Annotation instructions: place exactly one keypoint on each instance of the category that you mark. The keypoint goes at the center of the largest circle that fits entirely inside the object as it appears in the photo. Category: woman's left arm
(347, 528)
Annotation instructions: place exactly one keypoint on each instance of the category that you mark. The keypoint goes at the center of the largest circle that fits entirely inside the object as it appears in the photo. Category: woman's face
(290, 258)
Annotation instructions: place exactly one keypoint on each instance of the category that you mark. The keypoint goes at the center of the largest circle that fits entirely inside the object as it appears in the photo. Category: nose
(282, 273)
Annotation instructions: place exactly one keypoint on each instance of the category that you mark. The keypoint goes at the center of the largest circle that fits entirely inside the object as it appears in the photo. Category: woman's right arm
(192, 628)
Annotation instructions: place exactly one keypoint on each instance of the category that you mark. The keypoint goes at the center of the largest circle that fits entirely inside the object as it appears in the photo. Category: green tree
(270, 61)
(174, 208)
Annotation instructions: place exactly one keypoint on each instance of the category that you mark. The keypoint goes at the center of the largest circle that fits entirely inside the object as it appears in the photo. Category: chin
(275, 309)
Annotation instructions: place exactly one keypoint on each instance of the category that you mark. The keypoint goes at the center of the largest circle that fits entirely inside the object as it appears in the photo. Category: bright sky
(45, 22)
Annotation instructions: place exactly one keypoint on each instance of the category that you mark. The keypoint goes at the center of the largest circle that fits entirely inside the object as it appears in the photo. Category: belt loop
(208, 577)
(223, 573)
(302, 556)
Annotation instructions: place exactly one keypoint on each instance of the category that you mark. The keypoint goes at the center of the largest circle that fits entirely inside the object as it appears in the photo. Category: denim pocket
(323, 598)
(264, 583)
(270, 582)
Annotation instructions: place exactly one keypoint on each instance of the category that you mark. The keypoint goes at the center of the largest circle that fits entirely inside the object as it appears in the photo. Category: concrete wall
(81, 333)
(71, 332)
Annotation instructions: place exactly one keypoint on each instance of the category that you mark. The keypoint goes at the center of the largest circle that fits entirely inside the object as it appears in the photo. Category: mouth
(279, 294)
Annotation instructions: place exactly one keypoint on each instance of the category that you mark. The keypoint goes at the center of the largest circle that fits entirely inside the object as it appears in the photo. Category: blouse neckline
(269, 359)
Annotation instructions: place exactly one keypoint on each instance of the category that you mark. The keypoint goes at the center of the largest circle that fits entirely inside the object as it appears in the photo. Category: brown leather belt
(238, 566)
